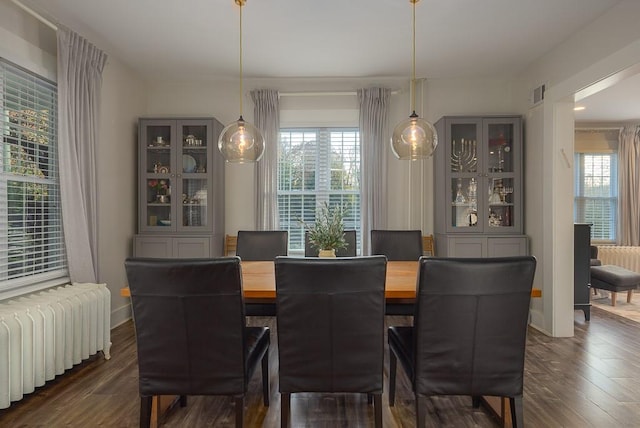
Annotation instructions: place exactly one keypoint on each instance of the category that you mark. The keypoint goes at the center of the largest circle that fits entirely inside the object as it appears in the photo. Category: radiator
(626, 257)
(45, 333)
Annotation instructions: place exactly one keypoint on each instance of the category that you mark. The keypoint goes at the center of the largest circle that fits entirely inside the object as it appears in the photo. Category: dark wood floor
(591, 380)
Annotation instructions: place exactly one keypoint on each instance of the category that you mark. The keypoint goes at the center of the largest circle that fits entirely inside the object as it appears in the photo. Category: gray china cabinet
(180, 188)
(478, 187)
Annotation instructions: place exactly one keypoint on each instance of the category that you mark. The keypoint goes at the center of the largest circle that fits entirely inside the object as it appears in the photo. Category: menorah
(463, 155)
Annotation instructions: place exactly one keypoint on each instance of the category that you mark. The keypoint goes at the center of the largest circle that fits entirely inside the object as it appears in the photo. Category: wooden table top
(259, 281)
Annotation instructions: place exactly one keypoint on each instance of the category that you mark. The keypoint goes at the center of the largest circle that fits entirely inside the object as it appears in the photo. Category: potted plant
(327, 233)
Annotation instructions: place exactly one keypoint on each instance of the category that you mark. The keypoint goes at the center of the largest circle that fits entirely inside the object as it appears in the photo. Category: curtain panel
(374, 137)
(266, 113)
(629, 186)
(80, 66)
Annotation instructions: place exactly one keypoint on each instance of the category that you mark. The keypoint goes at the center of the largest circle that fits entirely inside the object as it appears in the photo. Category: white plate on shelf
(188, 163)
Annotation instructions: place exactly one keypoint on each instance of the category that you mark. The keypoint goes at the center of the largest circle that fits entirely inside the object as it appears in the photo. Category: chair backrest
(262, 245)
(397, 244)
(230, 245)
(189, 321)
(471, 324)
(348, 251)
(428, 246)
(330, 320)
(594, 260)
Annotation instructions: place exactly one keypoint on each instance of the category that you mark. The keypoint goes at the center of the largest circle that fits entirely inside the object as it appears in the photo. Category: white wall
(123, 101)
(607, 46)
(26, 41)
(31, 44)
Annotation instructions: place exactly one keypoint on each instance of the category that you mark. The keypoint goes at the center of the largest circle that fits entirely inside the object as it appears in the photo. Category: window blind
(596, 199)
(31, 241)
(317, 165)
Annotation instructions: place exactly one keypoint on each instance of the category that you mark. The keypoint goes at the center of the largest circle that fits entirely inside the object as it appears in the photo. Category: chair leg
(183, 401)
(475, 401)
(265, 379)
(613, 298)
(629, 296)
(285, 409)
(145, 411)
(421, 412)
(517, 411)
(377, 410)
(369, 398)
(393, 363)
(239, 404)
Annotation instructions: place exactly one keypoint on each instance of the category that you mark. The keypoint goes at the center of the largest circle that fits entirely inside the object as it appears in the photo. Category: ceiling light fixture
(241, 141)
(414, 138)
(579, 108)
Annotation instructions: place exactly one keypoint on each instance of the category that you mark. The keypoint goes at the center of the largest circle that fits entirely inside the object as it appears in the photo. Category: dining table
(259, 287)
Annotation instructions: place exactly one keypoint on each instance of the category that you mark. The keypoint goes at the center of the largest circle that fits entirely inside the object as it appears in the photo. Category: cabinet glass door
(500, 170)
(194, 163)
(158, 165)
(463, 171)
(500, 202)
(500, 147)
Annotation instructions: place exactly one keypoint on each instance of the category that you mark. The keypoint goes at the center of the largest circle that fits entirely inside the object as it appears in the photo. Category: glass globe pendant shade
(241, 142)
(414, 139)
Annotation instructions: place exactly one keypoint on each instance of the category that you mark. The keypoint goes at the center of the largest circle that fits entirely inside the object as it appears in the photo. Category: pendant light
(240, 141)
(414, 138)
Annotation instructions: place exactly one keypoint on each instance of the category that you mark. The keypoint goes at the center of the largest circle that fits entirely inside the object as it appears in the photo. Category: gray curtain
(80, 66)
(266, 113)
(374, 146)
(629, 186)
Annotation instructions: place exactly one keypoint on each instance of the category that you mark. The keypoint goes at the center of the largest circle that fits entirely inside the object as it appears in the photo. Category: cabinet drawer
(172, 246)
(481, 246)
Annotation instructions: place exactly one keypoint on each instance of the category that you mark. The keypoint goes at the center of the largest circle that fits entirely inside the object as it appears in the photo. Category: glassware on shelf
(460, 199)
(495, 220)
(473, 194)
(495, 196)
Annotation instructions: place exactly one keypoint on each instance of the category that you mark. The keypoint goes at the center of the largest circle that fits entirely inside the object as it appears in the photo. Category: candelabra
(464, 155)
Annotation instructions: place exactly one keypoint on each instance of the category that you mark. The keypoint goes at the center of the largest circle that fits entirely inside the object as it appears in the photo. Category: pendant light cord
(241, 3)
(413, 69)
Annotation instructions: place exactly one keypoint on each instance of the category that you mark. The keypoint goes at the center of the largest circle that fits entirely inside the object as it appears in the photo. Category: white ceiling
(619, 103)
(327, 38)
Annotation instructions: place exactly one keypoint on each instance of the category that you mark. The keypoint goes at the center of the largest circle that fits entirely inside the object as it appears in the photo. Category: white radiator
(626, 257)
(45, 333)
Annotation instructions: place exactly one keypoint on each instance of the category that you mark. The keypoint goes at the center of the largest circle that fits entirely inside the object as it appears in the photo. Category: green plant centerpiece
(327, 233)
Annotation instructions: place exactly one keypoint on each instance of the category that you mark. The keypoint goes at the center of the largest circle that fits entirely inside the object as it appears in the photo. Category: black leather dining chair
(349, 251)
(330, 317)
(191, 333)
(469, 331)
(262, 245)
(397, 245)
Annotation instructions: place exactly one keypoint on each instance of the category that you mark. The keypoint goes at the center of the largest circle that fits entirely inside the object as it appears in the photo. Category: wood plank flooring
(590, 380)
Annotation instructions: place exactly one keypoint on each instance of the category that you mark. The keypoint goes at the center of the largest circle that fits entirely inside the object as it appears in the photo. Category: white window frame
(321, 191)
(28, 156)
(600, 233)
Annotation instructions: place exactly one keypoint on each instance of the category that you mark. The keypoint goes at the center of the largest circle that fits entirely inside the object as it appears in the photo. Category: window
(317, 165)
(31, 241)
(596, 199)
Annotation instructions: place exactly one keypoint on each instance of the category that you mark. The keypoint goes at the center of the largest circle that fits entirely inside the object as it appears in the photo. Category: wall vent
(537, 95)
